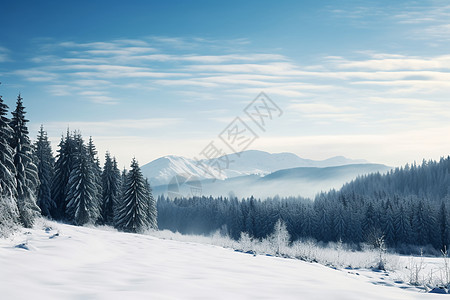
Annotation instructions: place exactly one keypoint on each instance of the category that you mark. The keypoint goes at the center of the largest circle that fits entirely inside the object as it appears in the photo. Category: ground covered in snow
(57, 261)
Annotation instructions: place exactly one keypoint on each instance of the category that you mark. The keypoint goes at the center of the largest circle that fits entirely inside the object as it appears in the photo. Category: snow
(100, 263)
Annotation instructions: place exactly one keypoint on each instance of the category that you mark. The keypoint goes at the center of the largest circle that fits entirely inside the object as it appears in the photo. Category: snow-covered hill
(67, 262)
(252, 162)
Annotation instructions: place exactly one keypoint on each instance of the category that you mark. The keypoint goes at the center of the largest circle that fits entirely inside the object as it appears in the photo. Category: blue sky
(364, 79)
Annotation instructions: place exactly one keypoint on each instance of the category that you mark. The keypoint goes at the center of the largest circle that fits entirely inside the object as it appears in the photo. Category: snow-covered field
(68, 262)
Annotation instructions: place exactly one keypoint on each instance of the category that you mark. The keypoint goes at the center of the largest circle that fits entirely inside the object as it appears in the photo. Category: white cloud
(36, 75)
(111, 127)
(319, 108)
(4, 54)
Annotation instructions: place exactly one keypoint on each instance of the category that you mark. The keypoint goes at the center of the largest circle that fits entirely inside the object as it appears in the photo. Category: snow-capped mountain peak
(250, 162)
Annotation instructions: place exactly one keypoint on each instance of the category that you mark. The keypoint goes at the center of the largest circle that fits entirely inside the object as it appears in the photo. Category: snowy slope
(162, 170)
(86, 263)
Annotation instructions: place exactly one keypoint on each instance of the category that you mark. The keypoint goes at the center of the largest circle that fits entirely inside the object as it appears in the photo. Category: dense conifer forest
(407, 207)
(72, 188)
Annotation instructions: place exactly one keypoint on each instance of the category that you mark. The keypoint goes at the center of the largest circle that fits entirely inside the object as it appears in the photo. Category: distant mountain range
(256, 173)
(251, 162)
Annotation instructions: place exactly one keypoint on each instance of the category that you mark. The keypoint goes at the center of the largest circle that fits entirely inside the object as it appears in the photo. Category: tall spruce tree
(111, 190)
(118, 179)
(121, 178)
(9, 214)
(7, 168)
(45, 163)
(133, 211)
(151, 213)
(82, 206)
(63, 167)
(97, 171)
(26, 171)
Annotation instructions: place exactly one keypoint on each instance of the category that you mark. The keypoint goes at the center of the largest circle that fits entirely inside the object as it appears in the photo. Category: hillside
(87, 263)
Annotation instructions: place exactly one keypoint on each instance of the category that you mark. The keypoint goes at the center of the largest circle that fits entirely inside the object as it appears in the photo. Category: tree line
(71, 187)
(407, 207)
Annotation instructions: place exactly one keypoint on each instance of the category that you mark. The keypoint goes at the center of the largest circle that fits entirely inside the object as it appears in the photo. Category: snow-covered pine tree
(97, 171)
(63, 167)
(120, 197)
(45, 163)
(81, 206)
(118, 192)
(133, 211)
(9, 214)
(7, 168)
(110, 187)
(152, 213)
(26, 171)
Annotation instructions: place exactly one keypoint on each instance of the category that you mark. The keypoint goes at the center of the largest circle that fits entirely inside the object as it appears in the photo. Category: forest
(72, 188)
(407, 207)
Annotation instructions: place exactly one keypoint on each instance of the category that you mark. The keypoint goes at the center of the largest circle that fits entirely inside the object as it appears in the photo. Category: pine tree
(420, 224)
(444, 226)
(81, 206)
(111, 190)
(7, 168)
(388, 227)
(121, 195)
(97, 171)
(63, 167)
(9, 214)
(323, 223)
(151, 214)
(339, 222)
(133, 211)
(45, 163)
(118, 192)
(26, 171)
(402, 226)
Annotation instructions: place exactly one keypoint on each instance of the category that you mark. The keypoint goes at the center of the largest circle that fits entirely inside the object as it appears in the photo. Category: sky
(364, 79)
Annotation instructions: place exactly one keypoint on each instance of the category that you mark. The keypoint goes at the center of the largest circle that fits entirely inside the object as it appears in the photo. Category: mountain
(252, 162)
(303, 181)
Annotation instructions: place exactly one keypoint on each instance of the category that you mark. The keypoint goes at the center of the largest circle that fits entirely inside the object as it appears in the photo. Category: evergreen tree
(121, 195)
(26, 171)
(420, 224)
(118, 192)
(444, 229)
(9, 214)
(339, 222)
(323, 222)
(133, 211)
(45, 164)
(388, 224)
(402, 226)
(151, 214)
(97, 171)
(63, 167)
(111, 190)
(7, 168)
(81, 206)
